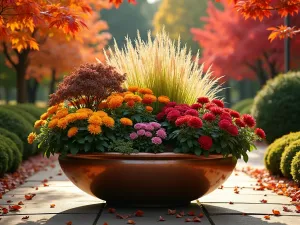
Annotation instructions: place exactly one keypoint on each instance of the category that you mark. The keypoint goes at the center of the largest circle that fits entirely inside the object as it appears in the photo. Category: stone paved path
(71, 204)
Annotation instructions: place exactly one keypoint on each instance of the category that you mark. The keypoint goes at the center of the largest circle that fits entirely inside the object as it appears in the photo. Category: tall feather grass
(165, 67)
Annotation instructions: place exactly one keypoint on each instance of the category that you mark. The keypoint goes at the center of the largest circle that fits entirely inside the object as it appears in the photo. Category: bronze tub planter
(147, 179)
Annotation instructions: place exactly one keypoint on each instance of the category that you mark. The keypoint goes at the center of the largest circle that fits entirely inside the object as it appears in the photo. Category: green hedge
(276, 106)
(15, 156)
(287, 158)
(13, 137)
(32, 109)
(26, 115)
(295, 168)
(243, 105)
(13, 122)
(3, 160)
(275, 150)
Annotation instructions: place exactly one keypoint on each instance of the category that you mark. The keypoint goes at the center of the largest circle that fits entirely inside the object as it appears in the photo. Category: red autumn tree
(238, 48)
(259, 9)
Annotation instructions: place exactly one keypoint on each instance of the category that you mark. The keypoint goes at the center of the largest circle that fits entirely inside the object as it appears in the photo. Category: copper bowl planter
(146, 179)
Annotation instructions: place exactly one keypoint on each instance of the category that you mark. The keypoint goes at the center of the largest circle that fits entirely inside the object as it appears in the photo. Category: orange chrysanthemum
(72, 131)
(129, 97)
(130, 103)
(72, 117)
(44, 116)
(38, 123)
(133, 88)
(62, 123)
(31, 137)
(53, 123)
(100, 113)
(108, 121)
(148, 99)
(126, 121)
(94, 129)
(82, 115)
(164, 99)
(145, 91)
(137, 98)
(52, 109)
(149, 108)
(102, 105)
(85, 110)
(95, 119)
(115, 102)
(62, 113)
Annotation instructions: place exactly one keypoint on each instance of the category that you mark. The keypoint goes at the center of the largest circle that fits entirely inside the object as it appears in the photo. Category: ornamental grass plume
(88, 86)
(164, 67)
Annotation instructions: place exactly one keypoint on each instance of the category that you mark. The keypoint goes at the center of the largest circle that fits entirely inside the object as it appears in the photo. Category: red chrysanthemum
(182, 107)
(224, 124)
(218, 102)
(130, 103)
(195, 122)
(233, 130)
(216, 110)
(192, 112)
(196, 106)
(160, 116)
(209, 117)
(171, 104)
(168, 109)
(234, 113)
(210, 105)
(240, 122)
(173, 115)
(181, 120)
(205, 142)
(225, 116)
(227, 110)
(260, 132)
(203, 100)
(249, 120)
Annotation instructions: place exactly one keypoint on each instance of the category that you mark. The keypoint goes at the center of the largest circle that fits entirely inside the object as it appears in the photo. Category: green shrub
(246, 109)
(241, 105)
(26, 115)
(14, 138)
(32, 109)
(287, 157)
(276, 107)
(15, 123)
(3, 161)
(15, 156)
(275, 150)
(295, 168)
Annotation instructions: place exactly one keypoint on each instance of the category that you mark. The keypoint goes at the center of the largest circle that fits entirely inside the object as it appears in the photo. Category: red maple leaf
(139, 213)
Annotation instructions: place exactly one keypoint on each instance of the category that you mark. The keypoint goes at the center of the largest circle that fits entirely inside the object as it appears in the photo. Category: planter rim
(147, 156)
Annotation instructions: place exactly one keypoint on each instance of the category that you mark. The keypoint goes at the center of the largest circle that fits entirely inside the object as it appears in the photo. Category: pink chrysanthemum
(161, 133)
(133, 136)
(156, 140)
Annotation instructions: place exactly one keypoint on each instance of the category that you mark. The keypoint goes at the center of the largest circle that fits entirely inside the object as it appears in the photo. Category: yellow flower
(62, 123)
(102, 105)
(133, 88)
(85, 110)
(126, 121)
(100, 113)
(72, 117)
(145, 91)
(72, 131)
(52, 109)
(31, 137)
(53, 123)
(61, 113)
(38, 123)
(108, 121)
(94, 129)
(149, 109)
(95, 119)
(115, 102)
(82, 115)
(164, 99)
(44, 116)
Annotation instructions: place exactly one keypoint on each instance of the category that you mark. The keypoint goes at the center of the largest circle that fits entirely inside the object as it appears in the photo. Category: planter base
(169, 205)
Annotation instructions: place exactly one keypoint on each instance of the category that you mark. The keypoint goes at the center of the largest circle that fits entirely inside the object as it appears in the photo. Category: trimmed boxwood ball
(275, 150)
(13, 152)
(26, 115)
(276, 106)
(287, 158)
(14, 138)
(13, 122)
(3, 161)
(295, 168)
(32, 109)
(241, 105)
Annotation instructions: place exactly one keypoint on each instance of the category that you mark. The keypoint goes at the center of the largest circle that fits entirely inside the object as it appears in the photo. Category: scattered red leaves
(139, 213)
(20, 203)
(29, 196)
(161, 218)
(111, 210)
(178, 216)
(221, 187)
(105, 223)
(52, 205)
(267, 217)
(69, 223)
(171, 212)
(191, 213)
(4, 210)
(231, 203)
(59, 174)
(46, 185)
(286, 209)
(276, 212)
(25, 217)
(196, 219)
(263, 201)
(188, 220)
(182, 213)
(119, 216)
(130, 222)
(9, 201)
(200, 215)
(236, 190)
(14, 208)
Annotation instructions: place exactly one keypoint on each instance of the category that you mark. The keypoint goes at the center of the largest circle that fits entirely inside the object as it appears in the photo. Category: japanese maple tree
(238, 48)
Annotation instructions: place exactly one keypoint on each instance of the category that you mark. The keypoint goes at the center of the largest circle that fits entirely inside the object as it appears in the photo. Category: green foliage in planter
(122, 146)
(13, 152)
(287, 157)
(295, 168)
(17, 124)
(14, 138)
(32, 109)
(276, 107)
(3, 160)
(242, 105)
(275, 150)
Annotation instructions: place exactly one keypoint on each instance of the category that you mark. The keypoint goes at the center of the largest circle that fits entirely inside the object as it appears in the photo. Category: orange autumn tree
(259, 9)
(24, 24)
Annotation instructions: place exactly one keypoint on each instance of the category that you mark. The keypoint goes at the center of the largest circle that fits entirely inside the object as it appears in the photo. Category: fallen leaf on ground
(181, 213)
(52, 205)
(191, 213)
(4, 210)
(267, 217)
(231, 203)
(188, 220)
(29, 196)
(275, 212)
(139, 213)
(196, 219)
(178, 216)
(161, 219)
(286, 209)
(221, 187)
(111, 210)
(15, 208)
(200, 215)
(36, 188)
(45, 181)
(263, 201)
(69, 223)
(121, 216)
(25, 217)
(105, 223)
(9, 201)
(50, 177)
(46, 185)
(130, 222)
(59, 174)
(171, 212)
(20, 203)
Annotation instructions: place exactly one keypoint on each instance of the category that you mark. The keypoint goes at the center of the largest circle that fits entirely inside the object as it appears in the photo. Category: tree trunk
(53, 81)
(21, 84)
(32, 87)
